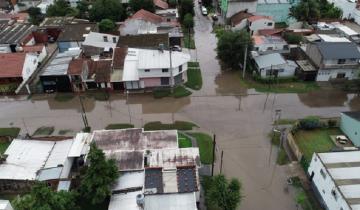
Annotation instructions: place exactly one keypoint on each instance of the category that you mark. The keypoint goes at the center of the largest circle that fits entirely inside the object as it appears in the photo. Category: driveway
(240, 118)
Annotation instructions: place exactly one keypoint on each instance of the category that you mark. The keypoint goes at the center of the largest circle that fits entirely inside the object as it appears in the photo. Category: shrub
(331, 123)
(178, 125)
(293, 38)
(161, 93)
(271, 80)
(310, 123)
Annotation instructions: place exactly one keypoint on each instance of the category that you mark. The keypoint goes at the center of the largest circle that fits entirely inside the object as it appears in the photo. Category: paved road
(240, 118)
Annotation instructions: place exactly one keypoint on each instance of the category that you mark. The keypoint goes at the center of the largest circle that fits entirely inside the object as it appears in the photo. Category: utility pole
(213, 155)
(171, 72)
(83, 113)
(128, 105)
(221, 163)
(245, 58)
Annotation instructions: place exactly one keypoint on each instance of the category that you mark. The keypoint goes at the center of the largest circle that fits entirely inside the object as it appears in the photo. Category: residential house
(334, 60)
(73, 35)
(14, 36)
(145, 68)
(146, 41)
(5, 205)
(161, 5)
(27, 161)
(38, 49)
(156, 174)
(277, 9)
(269, 44)
(116, 78)
(347, 32)
(231, 7)
(77, 74)
(98, 74)
(240, 20)
(258, 22)
(55, 78)
(274, 65)
(16, 68)
(335, 179)
(306, 71)
(96, 44)
(350, 126)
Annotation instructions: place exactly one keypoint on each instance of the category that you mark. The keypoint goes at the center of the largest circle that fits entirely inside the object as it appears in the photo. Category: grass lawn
(303, 197)
(64, 97)
(193, 64)
(282, 157)
(119, 126)
(177, 125)
(3, 146)
(194, 78)
(184, 141)
(285, 122)
(44, 131)
(179, 92)
(8, 88)
(317, 140)
(189, 43)
(12, 132)
(205, 144)
(285, 87)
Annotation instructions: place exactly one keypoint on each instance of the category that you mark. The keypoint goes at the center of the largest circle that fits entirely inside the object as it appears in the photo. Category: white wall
(30, 65)
(275, 47)
(5, 48)
(325, 75)
(261, 24)
(133, 27)
(326, 185)
(159, 73)
(288, 70)
(235, 7)
(42, 54)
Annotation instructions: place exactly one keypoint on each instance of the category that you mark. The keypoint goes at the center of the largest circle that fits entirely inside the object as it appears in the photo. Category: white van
(204, 10)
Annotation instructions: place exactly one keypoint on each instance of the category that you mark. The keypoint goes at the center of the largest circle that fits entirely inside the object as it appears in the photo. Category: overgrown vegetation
(205, 144)
(119, 126)
(181, 91)
(194, 77)
(221, 193)
(10, 132)
(60, 8)
(312, 10)
(293, 38)
(65, 131)
(184, 141)
(44, 131)
(178, 92)
(137, 5)
(36, 17)
(106, 25)
(107, 9)
(285, 121)
(177, 125)
(303, 197)
(3, 146)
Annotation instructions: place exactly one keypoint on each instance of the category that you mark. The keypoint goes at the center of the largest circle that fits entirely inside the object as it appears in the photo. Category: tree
(106, 25)
(61, 8)
(36, 17)
(329, 10)
(107, 9)
(231, 47)
(83, 9)
(137, 5)
(293, 38)
(310, 10)
(99, 176)
(43, 198)
(188, 21)
(223, 195)
(186, 6)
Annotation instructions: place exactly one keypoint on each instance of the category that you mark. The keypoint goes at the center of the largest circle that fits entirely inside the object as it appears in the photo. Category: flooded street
(240, 118)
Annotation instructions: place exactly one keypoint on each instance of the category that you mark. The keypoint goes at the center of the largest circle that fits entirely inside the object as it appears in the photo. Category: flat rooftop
(178, 201)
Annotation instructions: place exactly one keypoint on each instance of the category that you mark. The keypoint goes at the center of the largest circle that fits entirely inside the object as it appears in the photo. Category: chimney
(105, 38)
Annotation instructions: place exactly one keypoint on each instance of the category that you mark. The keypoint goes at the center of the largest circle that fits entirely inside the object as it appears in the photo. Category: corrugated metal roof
(124, 201)
(156, 59)
(182, 201)
(274, 59)
(81, 143)
(340, 157)
(338, 50)
(60, 64)
(172, 158)
(49, 174)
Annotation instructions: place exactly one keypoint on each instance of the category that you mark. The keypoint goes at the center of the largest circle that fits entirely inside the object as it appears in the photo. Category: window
(165, 80)
(269, 24)
(147, 70)
(168, 19)
(114, 39)
(340, 75)
(322, 173)
(341, 61)
(180, 68)
(165, 70)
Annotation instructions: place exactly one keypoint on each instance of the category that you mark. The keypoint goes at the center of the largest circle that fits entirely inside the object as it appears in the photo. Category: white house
(334, 60)
(274, 64)
(335, 178)
(97, 43)
(258, 22)
(151, 68)
(39, 50)
(269, 44)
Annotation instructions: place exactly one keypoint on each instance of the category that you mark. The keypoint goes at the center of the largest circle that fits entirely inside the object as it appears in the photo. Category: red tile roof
(75, 66)
(148, 16)
(161, 4)
(11, 64)
(270, 32)
(34, 48)
(238, 17)
(101, 69)
(119, 57)
(258, 17)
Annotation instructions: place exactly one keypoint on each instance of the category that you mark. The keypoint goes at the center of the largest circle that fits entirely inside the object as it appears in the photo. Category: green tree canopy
(231, 47)
(188, 21)
(312, 10)
(42, 197)
(137, 5)
(107, 9)
(83, 8)
(106, 25)
(61, 8)
(223, 194)
(99, 176)
(185, 7)
(36, 17)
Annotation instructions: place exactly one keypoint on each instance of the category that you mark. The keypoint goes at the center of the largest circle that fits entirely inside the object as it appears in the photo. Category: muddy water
(240, 118)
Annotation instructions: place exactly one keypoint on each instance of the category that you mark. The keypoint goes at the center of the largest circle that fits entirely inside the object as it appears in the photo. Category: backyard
(317, 140)
(205, 144)
(194, 76)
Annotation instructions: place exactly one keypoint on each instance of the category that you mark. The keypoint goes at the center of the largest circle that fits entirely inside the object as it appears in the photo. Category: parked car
(204, 10)
(176, 48)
